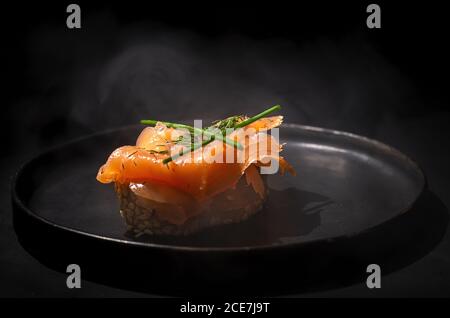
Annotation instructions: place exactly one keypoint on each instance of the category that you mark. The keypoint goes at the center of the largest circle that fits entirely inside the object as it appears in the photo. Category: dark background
(132, 60)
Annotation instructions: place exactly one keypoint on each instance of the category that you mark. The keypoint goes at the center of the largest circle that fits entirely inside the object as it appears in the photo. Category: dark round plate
(339, 210)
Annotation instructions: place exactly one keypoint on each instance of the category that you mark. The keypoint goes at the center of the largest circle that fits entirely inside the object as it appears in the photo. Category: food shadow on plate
(287, 213)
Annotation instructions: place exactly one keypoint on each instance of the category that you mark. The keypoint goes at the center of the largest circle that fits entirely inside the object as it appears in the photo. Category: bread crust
(232, 206)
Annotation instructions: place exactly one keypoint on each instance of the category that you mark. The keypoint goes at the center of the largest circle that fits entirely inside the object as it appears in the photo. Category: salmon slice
(194, 173)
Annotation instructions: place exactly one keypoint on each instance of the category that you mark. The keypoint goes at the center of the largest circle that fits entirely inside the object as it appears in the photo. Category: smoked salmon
(178, 179)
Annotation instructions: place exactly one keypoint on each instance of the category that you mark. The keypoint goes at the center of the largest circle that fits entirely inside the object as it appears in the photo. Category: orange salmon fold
(198, 177)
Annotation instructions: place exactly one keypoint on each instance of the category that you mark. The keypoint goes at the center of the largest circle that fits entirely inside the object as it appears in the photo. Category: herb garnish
(223, 125)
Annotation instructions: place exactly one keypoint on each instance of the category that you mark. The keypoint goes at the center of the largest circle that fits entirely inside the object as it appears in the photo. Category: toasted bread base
(232, 206)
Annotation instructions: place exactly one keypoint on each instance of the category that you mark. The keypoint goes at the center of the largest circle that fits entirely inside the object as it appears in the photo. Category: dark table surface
(422, 138)
(326, 69)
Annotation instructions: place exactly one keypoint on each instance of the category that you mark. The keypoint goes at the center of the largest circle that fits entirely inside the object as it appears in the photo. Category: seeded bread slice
(231, 206)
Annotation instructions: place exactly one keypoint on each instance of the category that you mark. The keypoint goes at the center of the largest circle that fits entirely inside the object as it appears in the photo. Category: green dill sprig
(227, 123)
